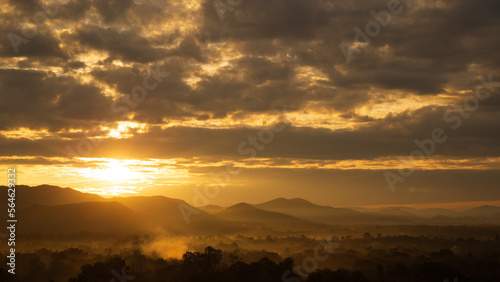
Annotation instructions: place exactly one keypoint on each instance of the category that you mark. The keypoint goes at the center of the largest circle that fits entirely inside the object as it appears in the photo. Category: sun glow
(114, 171)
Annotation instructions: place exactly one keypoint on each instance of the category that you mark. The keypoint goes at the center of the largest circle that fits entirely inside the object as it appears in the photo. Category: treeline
(193, 267)
(207, 266)
(369, 258)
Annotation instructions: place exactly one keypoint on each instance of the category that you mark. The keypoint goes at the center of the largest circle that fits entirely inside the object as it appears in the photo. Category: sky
(343, 103)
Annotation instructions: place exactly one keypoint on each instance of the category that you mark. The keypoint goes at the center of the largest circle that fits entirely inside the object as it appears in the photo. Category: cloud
(125, 45)
(226, 78)
(38, 99)
(388, 137)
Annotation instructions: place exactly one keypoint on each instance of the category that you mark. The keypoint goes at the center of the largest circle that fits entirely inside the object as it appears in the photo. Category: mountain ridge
(164, 213)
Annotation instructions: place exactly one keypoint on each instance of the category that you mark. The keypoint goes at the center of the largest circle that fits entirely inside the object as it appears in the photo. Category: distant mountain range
(54, 210)
(251, 216)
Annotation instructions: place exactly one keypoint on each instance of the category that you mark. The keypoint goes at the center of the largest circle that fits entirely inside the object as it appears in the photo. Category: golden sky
(152, 97)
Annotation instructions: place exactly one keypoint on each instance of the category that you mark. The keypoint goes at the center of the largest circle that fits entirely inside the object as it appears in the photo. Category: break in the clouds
(70, 70)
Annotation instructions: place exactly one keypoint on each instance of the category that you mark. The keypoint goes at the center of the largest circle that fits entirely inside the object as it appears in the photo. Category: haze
(154, 97)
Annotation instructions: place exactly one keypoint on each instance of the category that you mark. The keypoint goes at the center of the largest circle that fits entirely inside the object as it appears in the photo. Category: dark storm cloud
(74, 10)
(427, 45)
(74, 65)
(425, 50)
(42, 44)
(126, 45)
(34, 160)
(369, 70)
(263, 86)
(113, 9)
(163, 101)
(393, 135)
(188, 48)
(25, 5)
(266, 19)
(228, 94)
(109, 10)
(259, 70)
(387, 137)
(457, 35)
(36, 100)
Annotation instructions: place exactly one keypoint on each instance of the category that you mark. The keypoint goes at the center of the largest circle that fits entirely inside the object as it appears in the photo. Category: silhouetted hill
(395, 216)
(167, 212)
(303, 209)
(426, 212)
(482, 211)
(48, 195)
(430, 212)
(96, 217)
(441, 219)
(164, 211)
(255, 217)
(156, 206)
(495, 217)
(48, 209)
(211, 209)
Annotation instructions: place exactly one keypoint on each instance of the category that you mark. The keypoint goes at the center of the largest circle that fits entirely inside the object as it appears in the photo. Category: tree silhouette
(100, 271)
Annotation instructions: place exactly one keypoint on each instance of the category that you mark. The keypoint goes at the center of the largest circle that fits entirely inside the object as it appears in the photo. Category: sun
(115, 172)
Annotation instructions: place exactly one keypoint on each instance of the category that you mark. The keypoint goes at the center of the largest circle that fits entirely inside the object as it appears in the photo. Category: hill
(166, 211)
(306, 210)
(251, 216)
(211, 209)
(395, 216)
(486, 211)
(49, 195)
(93, 217)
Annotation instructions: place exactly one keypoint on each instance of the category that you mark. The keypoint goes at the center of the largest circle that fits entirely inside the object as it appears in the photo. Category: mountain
(50, 210)
(167, 211)
(48, 195)
(431, 212)
(306, 210)
(157, 207)
(211, 209)
(486, 211)
(427, 212)
(395, 216)
(251, 216)
(495, 218)
(94, 217)
(442, 219)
